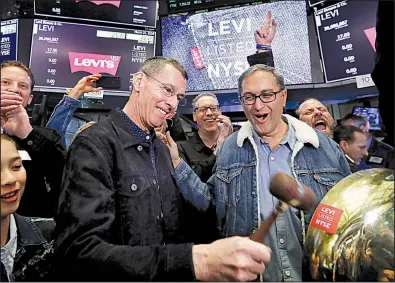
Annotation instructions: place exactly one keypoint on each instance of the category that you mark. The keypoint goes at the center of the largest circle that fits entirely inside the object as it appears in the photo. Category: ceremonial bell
(351, 234)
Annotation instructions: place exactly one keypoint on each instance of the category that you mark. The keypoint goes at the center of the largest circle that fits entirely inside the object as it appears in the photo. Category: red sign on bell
(326, 218)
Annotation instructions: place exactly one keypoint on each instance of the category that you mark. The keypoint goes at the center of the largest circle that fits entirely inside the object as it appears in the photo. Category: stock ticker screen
(347, 34)
(131, 12)
(59, 59)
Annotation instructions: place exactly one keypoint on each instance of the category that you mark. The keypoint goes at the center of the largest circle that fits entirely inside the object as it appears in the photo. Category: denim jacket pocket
(229, 184)
(320, 180)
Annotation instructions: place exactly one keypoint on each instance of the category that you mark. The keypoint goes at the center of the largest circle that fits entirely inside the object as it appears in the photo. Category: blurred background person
(380, 154)
(353, 143)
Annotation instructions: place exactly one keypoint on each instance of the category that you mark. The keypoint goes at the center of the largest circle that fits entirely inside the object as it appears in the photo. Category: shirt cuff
(181, 167)
(68, 100)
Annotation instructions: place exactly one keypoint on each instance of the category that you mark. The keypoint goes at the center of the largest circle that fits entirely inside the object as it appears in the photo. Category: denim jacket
(61, 116)
(317, 161)
(34, 249)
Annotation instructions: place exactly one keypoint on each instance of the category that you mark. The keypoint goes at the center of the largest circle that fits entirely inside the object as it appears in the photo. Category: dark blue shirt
(145, 139)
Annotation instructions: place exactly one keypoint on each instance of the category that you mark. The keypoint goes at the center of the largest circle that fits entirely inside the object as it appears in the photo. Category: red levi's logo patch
(197, 58)
(112, 2)
(326, 218)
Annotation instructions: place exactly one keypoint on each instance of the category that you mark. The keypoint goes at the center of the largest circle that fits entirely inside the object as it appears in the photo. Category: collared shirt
(281, 238)
(145, 139)
(9, 250)
(273, 162)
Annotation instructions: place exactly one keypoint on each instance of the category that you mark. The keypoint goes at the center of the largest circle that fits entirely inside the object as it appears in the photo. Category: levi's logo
(112, 2)
(94, 63)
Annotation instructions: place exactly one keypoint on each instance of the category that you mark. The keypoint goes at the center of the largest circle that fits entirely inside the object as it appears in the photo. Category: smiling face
(315, 114)
(13, 178)
(206, 113)
(158, 96)
(264, 117)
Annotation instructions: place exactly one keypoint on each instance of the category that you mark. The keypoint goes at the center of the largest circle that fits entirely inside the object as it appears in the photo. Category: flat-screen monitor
(131, 12)
(371, 113)
(214, 46)
(347, 33)
(59, 58)
(9, 40)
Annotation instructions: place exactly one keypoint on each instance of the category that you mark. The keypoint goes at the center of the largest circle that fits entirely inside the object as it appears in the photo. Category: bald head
(314, 113)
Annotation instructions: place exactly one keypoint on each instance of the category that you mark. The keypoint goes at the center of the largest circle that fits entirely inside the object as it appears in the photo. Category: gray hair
(157, 63)
(203, 94)
(264, 68)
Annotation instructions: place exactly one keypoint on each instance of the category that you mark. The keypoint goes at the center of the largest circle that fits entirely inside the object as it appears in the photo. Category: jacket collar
(303, 132)
(124, 133)
(27, 231)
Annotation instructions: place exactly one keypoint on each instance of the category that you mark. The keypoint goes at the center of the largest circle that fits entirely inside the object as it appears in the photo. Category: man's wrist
(199, 257)
(24, 131)
(76, 94)
(176, 162)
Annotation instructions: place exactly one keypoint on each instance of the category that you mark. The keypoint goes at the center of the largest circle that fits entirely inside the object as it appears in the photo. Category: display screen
(131, 12)
(59, 59)
(372, 114)
(214, 46)
(347, 34)
(9, 40)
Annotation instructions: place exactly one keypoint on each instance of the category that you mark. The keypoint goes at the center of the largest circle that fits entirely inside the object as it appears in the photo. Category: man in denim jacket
(269, 143)
(64, 110)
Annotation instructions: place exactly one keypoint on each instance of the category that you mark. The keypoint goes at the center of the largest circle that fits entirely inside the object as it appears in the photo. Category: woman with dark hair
(26, 243)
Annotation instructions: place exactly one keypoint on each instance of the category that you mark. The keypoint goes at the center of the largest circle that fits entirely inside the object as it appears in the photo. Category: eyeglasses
(168, 91)
(265, 97)
(204, 109)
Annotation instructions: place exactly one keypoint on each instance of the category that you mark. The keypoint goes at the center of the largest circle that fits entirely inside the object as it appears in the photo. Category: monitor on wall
(131, 12)
(59, 59)
(9, 40)
(346, 32)
(370, 113)
(214, 45)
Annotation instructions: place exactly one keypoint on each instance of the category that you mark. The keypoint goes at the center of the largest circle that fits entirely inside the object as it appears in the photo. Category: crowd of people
(126, 202)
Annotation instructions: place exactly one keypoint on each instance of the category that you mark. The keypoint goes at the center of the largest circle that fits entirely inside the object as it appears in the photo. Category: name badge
(24, 155)
(375, 159)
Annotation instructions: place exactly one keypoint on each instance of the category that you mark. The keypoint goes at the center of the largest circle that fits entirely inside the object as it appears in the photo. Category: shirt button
(147, 137)
(253, 231)
(287, 273)
(282, 241)
(139, 148)
(29, 143)
(271, 158)
(154, 181)
(133, 187)
(253, 194)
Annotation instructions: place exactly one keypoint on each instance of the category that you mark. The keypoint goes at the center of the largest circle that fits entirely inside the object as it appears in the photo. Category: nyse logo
(111, 2)
(94, 63)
